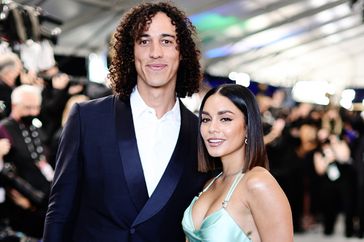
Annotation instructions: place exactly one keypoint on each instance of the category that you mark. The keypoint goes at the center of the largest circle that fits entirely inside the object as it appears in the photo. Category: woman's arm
(269, 206)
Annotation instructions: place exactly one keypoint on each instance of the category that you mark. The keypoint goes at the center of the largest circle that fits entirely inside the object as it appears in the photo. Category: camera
(78, 80)
(73, 80)
(11, 180)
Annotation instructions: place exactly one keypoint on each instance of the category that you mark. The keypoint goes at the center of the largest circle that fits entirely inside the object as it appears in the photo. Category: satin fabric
(218, 226)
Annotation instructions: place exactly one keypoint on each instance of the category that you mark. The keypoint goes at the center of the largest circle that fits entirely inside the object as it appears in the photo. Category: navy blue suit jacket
(99, 192)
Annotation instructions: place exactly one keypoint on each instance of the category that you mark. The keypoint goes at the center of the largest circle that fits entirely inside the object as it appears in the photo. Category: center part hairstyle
(255, 152)
(123, 75)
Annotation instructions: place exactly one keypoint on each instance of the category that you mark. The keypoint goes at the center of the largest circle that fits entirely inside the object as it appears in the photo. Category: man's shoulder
(8, 127)
(98, 104)
(99, 101)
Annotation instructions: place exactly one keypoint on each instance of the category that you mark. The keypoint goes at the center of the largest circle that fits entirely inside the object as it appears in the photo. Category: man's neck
(160, 100)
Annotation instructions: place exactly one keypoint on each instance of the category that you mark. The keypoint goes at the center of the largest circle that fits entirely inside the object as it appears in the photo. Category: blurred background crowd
(34, 104)
(316, 152)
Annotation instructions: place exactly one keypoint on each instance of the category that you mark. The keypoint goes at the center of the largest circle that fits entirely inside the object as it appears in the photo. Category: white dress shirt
(156, 138)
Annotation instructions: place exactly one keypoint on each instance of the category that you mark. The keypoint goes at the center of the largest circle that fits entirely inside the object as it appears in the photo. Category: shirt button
(132, 230)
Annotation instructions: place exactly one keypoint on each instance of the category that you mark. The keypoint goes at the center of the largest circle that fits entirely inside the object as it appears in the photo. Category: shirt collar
(139, 107)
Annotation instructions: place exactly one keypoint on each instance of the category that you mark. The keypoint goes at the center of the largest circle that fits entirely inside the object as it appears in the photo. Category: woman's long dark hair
(244, 100)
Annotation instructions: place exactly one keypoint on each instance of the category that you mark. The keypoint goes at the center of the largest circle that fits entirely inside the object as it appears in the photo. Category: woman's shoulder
(259, 179)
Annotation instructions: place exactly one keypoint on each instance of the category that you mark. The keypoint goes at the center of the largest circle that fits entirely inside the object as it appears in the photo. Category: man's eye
(143, 42)
(167, 42)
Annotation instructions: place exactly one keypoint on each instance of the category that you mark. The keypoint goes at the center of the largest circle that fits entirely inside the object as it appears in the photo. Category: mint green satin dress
(218, 226)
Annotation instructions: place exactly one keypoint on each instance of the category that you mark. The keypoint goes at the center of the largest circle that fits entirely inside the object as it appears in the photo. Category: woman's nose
(213, 127)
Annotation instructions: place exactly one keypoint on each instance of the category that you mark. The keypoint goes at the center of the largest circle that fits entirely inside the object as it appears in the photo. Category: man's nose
(34, 110)
(156, 50)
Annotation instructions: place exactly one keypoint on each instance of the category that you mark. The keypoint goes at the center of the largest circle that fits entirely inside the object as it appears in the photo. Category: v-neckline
(227, 198)
(205, 219)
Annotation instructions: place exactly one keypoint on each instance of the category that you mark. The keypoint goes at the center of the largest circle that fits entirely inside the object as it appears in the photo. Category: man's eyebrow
(143, 35)
(169, 35)
(163, 35)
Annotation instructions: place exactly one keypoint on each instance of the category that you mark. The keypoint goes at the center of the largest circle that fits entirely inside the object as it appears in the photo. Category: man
(127, 164)
(55, 94)
(26, 201)
(10, 69)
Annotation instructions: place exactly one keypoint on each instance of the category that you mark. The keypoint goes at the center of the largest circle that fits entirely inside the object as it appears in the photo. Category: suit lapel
(172, 174)
(133, 171)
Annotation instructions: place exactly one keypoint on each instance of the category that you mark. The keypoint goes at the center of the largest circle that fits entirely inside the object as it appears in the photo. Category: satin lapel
(172, 175)
(128, 149)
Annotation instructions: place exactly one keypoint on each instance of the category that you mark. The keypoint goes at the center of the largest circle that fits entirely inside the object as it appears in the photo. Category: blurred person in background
(27, 155)
(4, 149)
(293, 139)
(333, 163)
(54, 142)
(359, 165)
(332, 121)
(10, 70)
(56, 91)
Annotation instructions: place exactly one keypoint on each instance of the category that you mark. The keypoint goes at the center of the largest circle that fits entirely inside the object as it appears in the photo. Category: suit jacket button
(132, 230)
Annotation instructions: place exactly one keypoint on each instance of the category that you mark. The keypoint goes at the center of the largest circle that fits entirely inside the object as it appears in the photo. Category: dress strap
(232, 188)
(209, 185)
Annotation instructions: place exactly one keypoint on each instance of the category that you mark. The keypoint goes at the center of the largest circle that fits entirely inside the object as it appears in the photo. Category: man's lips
(156, 67)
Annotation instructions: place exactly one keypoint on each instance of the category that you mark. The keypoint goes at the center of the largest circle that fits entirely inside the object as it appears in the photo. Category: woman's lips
(214, 142)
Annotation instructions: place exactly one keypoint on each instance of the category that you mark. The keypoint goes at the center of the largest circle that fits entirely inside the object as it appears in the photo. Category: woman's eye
(226, 119)
(205, 120)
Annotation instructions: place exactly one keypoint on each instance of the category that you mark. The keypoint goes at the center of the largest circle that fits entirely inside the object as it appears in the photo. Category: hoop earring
(246, 140)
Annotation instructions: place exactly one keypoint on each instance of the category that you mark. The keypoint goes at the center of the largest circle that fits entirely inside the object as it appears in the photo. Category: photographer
(27, 173)
(333, 164)
(6, 232)
(4, 149)
(10, 69)
(58, 88)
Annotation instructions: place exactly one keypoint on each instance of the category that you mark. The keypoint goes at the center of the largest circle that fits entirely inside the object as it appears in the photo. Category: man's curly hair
(123, 75)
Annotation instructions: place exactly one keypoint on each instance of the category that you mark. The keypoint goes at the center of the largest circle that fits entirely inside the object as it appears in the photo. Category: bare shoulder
(260, 180)
(265, 199)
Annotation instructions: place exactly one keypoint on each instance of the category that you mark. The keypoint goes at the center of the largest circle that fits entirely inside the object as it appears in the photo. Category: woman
(243, 202)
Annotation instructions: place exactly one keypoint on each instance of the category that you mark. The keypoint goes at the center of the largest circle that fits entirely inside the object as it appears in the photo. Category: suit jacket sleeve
(64, 201)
